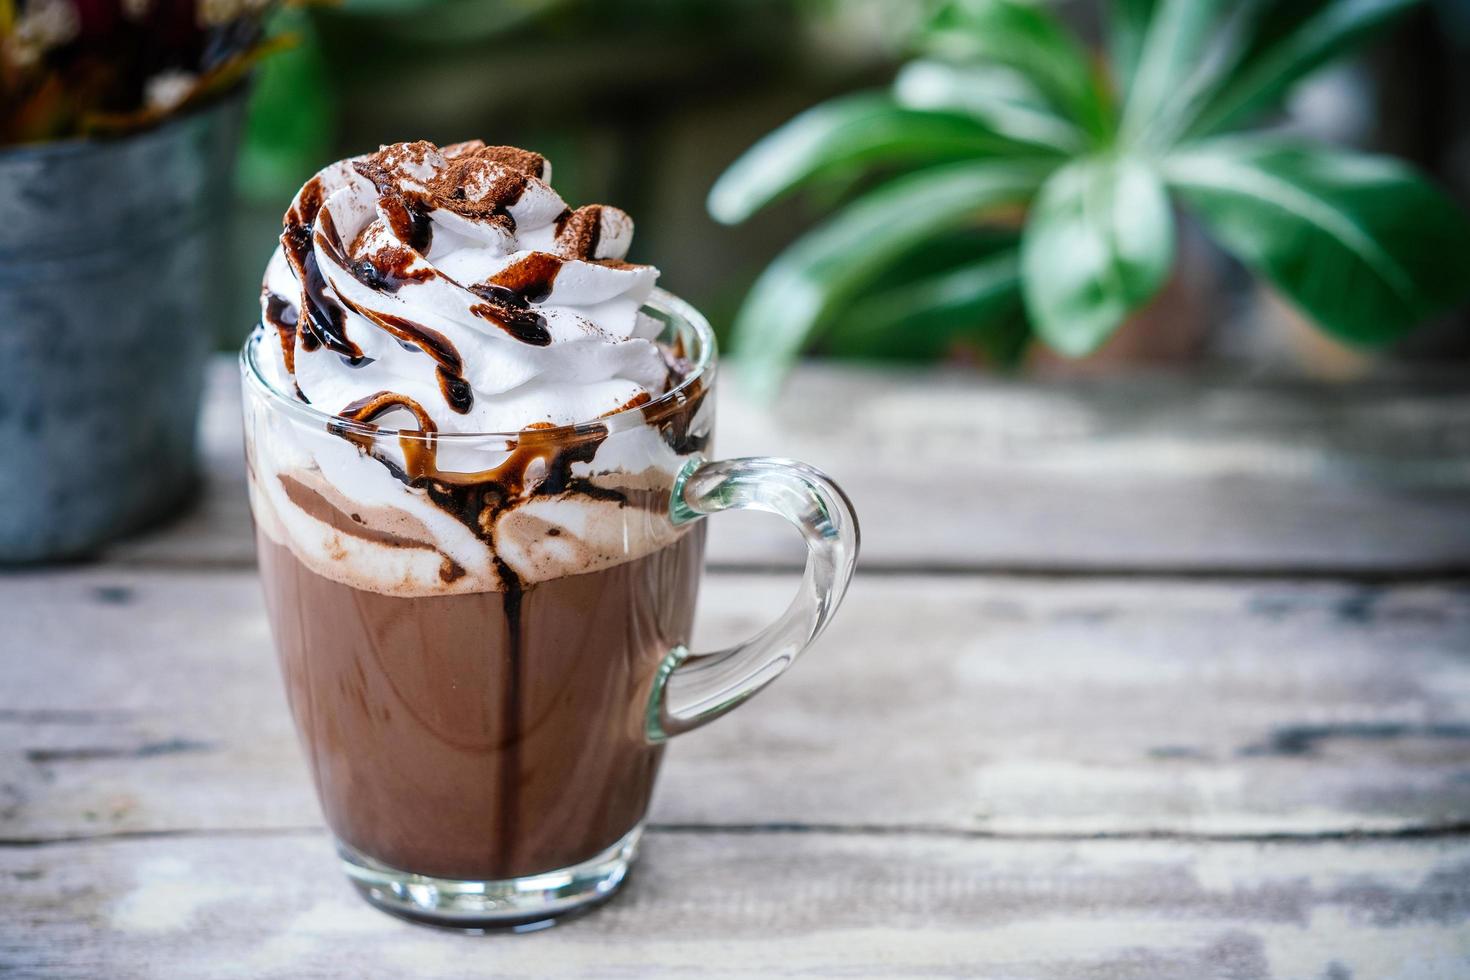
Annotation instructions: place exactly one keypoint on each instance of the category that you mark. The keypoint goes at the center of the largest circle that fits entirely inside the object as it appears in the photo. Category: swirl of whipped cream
(453, 290)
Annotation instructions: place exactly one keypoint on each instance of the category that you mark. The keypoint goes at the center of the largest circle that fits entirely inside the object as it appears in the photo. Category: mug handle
(693, 689)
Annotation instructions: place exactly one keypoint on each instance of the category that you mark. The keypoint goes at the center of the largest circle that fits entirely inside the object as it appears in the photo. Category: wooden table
(1139, 678)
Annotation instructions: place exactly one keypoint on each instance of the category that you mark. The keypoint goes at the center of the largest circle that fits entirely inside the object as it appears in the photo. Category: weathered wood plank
(148, 701)
(765, 905)
(949, 471)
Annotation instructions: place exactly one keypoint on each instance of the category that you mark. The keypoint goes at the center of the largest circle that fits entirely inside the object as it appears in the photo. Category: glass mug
(484, 738)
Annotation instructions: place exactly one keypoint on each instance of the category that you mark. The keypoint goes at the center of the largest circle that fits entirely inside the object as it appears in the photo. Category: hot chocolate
(481, 735)
(470, 626)
(475, 440)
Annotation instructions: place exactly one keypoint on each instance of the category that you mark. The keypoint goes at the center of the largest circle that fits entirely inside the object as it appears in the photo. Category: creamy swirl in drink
(446, 292)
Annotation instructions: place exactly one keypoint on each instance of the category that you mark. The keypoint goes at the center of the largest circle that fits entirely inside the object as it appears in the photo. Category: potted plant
(118, 126)
(1019, 187)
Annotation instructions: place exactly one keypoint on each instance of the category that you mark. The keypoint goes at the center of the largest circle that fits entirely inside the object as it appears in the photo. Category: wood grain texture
(948, 471)
(1110, 776)
(761, 905)
(146, 701)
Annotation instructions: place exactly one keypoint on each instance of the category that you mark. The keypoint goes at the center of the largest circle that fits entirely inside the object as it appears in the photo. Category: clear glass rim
(703, 370)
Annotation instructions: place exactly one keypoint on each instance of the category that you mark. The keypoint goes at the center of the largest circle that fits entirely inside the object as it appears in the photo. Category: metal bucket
(112, 268)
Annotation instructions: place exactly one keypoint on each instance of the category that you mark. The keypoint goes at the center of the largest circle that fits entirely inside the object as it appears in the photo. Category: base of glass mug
(525, 903)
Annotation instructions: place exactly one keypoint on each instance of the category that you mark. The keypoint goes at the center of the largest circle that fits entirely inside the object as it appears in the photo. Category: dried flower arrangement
(107, 67)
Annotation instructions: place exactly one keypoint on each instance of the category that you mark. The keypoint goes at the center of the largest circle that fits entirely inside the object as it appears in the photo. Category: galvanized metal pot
(112, 263)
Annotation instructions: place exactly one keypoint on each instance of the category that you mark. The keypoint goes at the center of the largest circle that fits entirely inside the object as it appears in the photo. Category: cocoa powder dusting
(391, 168)
(453, 150)
(513, 157)
(579, 232)
(479, 189)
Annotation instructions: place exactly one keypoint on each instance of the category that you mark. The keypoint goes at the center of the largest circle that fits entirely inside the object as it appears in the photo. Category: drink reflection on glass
(476, 444)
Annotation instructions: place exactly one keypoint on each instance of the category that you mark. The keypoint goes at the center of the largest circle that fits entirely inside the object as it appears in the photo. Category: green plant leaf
(1029, 39)
(1287, 47)
(1363, 244)
(1179, 32)
(946, 251)
(288, 132)
(1099, 244)
(1002, 99)
(842, 135)
(923, 319)
(1128, 22)
(832, 262)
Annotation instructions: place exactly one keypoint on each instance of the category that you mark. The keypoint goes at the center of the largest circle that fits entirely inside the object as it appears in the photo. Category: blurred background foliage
(1086, 159)
(644, 103)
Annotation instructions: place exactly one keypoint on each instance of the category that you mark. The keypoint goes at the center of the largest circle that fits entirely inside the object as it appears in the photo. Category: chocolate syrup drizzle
(387, 269)
(324, 322)
(510, 710)
(510, 311)
(529, 279)
(509, 293)
(458, 394)
(408, 220)
(282, 316)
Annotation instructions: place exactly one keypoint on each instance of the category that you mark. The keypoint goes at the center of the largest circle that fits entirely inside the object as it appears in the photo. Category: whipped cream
(433, 295)
(454, 291)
